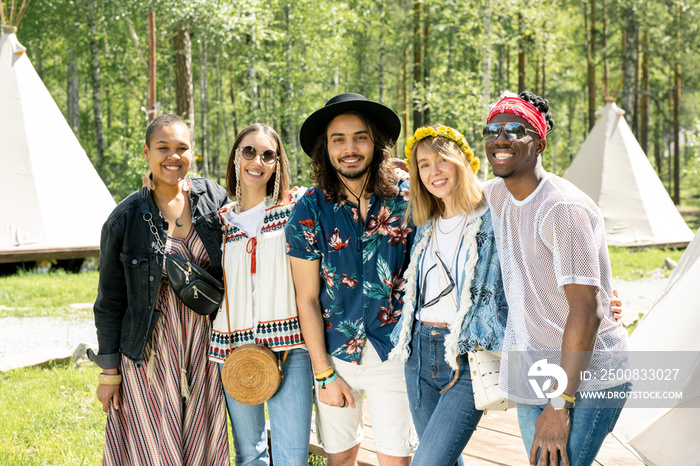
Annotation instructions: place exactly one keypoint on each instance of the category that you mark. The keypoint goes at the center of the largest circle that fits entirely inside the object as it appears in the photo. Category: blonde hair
(467, 193)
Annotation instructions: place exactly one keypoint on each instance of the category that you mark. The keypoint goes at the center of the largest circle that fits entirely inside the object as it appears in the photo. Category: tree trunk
(426, 65)
(233, 104)
(151, 65)
(630, 60)
(417, 66)
(184, 88)
(203, 97)
(606, 63)
(644, 101)
(96, 92)
(521, 53)
(486, 60)
(289, 130)
(73, 92)
(591, 38)
(676, 110)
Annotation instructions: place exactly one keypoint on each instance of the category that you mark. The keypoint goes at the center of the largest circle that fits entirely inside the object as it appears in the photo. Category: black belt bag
(193, 285)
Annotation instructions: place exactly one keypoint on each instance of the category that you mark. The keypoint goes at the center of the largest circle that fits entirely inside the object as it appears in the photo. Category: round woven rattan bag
(250, 374)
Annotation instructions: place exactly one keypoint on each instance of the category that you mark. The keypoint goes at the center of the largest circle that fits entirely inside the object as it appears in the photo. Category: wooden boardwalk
(496, 442)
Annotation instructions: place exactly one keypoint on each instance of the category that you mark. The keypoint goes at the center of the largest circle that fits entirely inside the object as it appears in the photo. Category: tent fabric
(667, 435)
(52, 197)
(614, 171)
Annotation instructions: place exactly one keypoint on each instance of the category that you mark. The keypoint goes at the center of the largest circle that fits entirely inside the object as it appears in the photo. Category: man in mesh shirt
(551, 240)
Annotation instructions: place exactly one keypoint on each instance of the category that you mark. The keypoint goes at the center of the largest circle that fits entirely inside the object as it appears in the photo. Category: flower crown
(444, 132)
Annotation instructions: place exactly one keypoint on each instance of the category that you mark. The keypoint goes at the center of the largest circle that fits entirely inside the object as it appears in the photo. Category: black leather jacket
(131, 269)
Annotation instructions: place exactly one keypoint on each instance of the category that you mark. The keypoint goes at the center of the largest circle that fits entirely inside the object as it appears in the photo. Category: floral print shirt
(361, 281)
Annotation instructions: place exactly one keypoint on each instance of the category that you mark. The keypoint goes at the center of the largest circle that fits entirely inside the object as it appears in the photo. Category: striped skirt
(173, 410)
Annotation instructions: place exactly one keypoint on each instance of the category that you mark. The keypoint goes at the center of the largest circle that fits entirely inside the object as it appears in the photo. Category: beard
(352, 174)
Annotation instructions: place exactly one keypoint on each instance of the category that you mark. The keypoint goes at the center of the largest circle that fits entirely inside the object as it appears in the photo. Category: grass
(32, 294)
(52, 416)
(629, 264)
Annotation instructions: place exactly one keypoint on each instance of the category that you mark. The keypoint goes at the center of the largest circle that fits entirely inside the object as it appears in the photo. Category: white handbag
(484, 367)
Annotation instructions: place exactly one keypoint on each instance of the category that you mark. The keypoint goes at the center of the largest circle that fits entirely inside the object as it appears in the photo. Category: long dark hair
(382, 179)
(284, 163)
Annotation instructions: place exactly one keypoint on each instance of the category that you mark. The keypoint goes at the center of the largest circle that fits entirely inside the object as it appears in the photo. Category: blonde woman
(261, 299)
(454, 297)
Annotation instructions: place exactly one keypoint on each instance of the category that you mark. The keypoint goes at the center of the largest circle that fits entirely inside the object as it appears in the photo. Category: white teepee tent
(53, 201)
(667, 434)
(613, 170)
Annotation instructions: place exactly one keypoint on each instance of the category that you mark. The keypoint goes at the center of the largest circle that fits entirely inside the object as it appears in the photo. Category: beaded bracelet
(325, 377)
(327, 373)
(109, 379)
(322, 370)
(324, 382)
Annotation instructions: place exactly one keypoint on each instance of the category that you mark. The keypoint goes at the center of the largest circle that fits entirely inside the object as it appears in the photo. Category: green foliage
(277, 61)
(33, 294)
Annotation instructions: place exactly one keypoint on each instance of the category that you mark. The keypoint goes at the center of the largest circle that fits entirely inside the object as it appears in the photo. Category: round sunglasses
(513, 131)
(268, 157)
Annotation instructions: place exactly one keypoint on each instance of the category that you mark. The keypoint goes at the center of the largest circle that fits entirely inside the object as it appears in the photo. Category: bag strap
(148, 218)
(454, 306)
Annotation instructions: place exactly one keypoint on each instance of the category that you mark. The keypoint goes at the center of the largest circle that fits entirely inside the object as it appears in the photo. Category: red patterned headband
(526, 110)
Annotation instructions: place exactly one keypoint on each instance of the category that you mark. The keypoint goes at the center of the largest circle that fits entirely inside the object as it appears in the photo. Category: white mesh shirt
(554, 237)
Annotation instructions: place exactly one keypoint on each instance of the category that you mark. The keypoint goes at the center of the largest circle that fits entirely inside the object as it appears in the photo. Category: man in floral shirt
(348, 245)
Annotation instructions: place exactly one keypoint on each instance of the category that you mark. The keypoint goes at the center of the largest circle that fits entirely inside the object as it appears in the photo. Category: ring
(344, 403)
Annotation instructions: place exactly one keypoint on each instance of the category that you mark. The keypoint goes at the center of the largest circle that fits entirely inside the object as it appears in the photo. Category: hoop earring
(237, 165)
(276, 191)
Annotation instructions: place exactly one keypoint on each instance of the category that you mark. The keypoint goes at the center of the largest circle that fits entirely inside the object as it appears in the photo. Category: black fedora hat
(316, 123)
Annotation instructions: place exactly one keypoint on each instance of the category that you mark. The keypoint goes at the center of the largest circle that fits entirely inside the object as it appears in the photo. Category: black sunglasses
(249, 152)
(513, 131)
(444, 292)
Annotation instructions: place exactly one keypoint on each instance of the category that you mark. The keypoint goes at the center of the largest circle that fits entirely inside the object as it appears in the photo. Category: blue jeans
(289, 410)
(444, 422)
(591, 420)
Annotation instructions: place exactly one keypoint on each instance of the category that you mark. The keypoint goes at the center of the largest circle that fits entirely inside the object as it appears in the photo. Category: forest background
(225, 64)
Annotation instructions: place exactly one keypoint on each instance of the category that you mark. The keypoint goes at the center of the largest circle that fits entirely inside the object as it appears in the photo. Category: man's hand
(107, 393)
(551, 436)
(336, 393)
(616, 306)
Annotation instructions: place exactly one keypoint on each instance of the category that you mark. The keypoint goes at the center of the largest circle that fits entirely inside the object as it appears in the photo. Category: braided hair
(541, 104)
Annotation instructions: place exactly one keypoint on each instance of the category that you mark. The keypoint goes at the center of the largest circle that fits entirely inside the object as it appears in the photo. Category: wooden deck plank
(496, 442)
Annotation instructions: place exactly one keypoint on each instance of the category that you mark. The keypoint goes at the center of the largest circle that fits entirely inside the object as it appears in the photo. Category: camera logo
(542, 369)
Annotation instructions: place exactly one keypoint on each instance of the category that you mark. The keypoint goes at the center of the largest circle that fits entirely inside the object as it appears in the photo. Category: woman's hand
(107, 393)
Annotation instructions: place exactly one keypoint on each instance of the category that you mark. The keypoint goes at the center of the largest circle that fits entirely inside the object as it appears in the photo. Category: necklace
(358, 241)
(439, 221)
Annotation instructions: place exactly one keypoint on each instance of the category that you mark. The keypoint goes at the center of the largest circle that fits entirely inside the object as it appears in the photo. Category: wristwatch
(562, 402)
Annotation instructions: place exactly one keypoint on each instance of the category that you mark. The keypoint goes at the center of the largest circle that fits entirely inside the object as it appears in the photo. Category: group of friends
(365, 287)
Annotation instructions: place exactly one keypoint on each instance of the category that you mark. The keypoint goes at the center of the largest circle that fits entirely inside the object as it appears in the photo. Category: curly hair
(382, 179)
(541, 104)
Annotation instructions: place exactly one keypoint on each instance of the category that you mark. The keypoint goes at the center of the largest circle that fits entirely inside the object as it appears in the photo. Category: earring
(237, 165)
(276, 191)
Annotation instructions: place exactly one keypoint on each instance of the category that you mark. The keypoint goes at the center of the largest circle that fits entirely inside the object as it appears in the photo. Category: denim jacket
(131, 269)
(482, 309)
